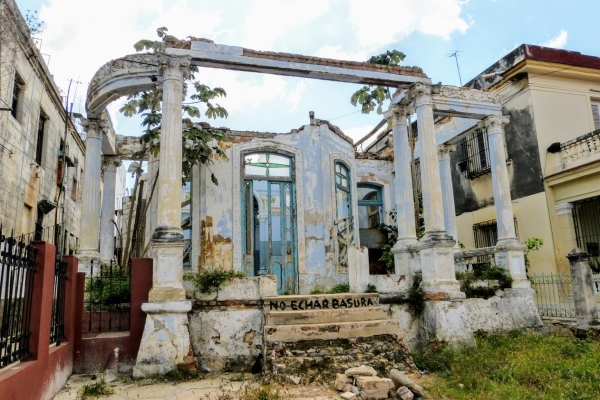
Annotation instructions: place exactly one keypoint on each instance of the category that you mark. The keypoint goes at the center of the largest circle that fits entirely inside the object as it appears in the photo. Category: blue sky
(82, 35)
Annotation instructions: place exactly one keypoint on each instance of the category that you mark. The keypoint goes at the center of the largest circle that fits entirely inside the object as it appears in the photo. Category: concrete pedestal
(437, 262)
(166, 339)
(510, 257)
(446, 321)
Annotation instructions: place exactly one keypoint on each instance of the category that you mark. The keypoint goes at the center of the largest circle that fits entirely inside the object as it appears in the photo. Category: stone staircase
(313, 337)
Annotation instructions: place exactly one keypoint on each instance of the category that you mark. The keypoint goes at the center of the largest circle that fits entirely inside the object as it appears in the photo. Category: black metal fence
(57, 325)
(107, 298)
(554, 295)
(17, 271)
(586, 217)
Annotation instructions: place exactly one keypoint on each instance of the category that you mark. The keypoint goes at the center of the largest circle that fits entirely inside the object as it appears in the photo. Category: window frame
(18, 92)
(475, 161)
(267, 177)
(371, 203)
(595, 105)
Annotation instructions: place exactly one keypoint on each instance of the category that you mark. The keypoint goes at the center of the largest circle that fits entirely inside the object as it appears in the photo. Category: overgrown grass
(96, 389)
(265, 392)
(515, 366)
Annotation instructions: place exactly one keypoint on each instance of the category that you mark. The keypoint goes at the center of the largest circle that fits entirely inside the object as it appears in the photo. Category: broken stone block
(404, 393)
(355, 390)
(341, 380)
(348, 388)
(373, 387)
(348, 396)
(400, 379)
(363, 370)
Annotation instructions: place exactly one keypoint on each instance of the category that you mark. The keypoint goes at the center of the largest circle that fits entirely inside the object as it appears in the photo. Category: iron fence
(107, 298)
(586, 217)
(17, 271)
(57, 325)
(554, 295)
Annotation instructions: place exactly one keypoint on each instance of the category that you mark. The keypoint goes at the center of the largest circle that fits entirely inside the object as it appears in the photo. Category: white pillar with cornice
(107, 228)
(437, 256)
(166, 342)
(403, 189)
(509, 252)
(89, 232)
(444, 151)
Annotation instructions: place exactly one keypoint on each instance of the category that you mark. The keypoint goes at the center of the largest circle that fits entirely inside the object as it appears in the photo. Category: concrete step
(330, 331)
(311, 302)
(304, 317)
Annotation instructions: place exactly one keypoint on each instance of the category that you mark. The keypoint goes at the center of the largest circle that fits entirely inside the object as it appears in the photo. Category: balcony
(582, 150)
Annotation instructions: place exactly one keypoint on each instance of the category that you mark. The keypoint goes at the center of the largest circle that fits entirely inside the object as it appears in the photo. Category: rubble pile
(363, 381)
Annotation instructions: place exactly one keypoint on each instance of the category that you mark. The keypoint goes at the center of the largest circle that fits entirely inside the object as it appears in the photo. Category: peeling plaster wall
(314, 148)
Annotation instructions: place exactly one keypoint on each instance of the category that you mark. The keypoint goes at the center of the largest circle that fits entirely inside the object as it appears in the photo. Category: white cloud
(438, 18)
(269, 20)
(335, 52)
(558, 42)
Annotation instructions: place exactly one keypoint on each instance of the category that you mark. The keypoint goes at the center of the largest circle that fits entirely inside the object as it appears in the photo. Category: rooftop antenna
(454, 53)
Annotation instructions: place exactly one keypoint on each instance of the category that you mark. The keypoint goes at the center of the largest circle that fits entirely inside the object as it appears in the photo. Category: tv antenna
(454, 53)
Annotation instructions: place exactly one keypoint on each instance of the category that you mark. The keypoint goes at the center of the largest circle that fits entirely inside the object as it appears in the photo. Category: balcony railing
(581, 150)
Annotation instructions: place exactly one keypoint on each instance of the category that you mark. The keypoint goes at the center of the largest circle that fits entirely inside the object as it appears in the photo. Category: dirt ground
(211, 386)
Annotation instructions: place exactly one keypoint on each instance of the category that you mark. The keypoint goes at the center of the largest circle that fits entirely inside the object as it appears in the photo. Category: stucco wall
(314, 148)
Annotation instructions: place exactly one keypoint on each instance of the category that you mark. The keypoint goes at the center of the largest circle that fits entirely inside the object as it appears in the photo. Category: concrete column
(444, 151)
(510, 251)
(567, 235)
(403, 188)
(152, 206)
(166, 341)
(437, 256)
(89, 232)
(583, 287)
(195, 214)
(107, 228)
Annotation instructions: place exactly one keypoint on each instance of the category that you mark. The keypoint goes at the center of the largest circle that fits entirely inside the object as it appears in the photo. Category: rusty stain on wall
(216, 251)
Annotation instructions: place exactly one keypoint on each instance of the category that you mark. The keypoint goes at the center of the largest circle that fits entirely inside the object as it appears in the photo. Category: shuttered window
(596, 114)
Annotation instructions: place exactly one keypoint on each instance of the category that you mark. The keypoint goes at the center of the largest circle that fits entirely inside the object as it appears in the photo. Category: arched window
(344, 221)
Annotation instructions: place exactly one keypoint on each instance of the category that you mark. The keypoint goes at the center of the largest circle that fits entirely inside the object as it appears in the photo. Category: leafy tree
(197, 136)
(369, 97)
(33, 23)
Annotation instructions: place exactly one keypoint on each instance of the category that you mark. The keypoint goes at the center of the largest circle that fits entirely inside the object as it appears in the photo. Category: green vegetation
(514, 366)
(339, 288)
(96, 389)
(265, 392)
(108, 289)
(179, 374)
(416, 296)
(371, 289)
(533, 244)
(206, 281)
(485, 272)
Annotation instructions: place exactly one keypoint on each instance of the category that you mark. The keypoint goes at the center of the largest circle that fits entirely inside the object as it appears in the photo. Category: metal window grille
(486, 235)
(107, 298)
(475, 154)
(57, 325)
(586, 217)
(554, 295)
(17, 271)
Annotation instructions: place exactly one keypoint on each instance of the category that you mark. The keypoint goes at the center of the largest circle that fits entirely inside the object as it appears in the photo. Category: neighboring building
(41, 153)
(553, 144)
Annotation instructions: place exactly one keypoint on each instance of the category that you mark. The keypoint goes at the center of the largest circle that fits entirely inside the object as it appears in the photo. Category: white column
(89, 232)
(437, 257)
(444, 151)
(403, 188)
(167, 239)
(107, 228)
(166, 340)
(509, 253)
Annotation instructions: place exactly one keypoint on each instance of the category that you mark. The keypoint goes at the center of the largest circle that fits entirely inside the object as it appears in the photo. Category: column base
(510, 257)
(166, 340)
(446, 321)
(405, 262)
(437, 263)
(167, 278)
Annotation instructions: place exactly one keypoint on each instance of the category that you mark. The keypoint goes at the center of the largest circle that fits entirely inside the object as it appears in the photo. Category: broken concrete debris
(370, 386)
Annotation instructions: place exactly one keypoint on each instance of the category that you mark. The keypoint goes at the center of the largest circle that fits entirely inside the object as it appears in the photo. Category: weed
(206, 281)
(265, 392)
(238, 378)
(515, 366)
(371, 289)
(96, 389)
(416, 297)
(339, 288)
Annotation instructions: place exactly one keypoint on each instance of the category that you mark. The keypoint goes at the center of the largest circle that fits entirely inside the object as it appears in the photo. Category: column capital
(494, 123)
(174, 67)
(420, 93)
(399, 114)
(564, 209)
(444, 151)
(94, 128)
(111, 163)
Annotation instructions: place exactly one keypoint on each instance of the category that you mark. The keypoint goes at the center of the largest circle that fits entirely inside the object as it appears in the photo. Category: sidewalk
(210, 387)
